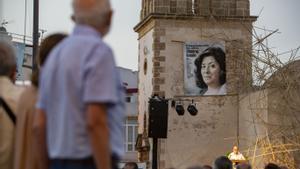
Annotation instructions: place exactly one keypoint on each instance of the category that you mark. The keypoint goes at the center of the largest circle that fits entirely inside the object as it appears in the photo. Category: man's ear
(109, 18)
(73, 18)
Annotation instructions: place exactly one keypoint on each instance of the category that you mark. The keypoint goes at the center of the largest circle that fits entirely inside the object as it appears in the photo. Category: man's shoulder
(9, 88)
(86, 43)
(11, 94)
(82, 38)
(231, 154)
(102, 51)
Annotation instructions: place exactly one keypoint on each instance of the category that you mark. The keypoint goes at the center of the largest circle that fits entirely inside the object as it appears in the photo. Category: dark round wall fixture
(145, 66)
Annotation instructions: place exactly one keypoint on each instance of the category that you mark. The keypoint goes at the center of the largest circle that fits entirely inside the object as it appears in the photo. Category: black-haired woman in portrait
(211, 72)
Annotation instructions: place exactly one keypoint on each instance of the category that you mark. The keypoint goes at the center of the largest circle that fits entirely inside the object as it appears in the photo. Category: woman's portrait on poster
(210, 71)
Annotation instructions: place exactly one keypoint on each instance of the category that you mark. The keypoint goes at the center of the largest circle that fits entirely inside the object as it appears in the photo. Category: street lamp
(35, 33)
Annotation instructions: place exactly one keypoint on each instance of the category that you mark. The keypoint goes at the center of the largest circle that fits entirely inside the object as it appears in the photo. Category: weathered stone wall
(269, 125)
(145, 75)
(194, 140)
(169, 38)
(253, 115)
(196, 7)
(167, 25)
(213, 132)
(284, 113)
(220, 119)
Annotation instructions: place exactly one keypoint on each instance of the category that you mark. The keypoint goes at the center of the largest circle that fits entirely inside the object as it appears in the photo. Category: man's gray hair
(7, 58)
(91, 15)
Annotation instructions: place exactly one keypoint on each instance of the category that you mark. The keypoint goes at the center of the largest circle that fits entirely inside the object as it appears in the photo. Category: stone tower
(167, 30)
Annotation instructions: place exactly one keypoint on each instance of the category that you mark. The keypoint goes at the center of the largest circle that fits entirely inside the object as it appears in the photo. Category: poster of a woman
(205, 69)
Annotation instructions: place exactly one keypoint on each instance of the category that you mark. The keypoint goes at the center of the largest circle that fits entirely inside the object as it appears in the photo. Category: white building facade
(129, 79)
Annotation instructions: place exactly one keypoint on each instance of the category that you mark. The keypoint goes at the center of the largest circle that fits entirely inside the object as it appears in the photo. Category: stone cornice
(192, 17)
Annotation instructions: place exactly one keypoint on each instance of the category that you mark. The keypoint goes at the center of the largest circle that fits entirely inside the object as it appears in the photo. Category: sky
(55, 17)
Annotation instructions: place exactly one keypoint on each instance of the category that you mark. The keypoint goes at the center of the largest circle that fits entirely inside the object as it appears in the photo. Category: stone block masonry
(220, 8)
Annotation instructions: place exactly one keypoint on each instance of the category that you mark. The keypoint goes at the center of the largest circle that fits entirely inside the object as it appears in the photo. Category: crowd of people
(72, 116)
(224, 162)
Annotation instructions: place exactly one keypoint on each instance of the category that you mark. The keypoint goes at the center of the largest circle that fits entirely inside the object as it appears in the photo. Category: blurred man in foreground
(81, 108)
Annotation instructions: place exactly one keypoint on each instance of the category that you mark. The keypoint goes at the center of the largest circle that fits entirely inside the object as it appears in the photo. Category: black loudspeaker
(158, 118)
